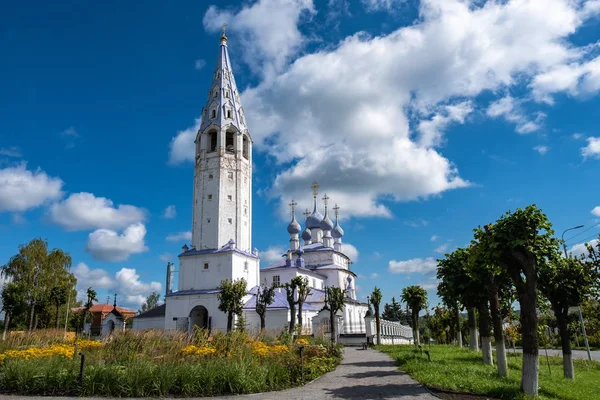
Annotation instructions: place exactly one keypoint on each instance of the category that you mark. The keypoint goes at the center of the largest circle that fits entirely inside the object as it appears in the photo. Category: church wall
(181, 306)
(140, 324)
(287, 274)
(276, 321)
(226, 265)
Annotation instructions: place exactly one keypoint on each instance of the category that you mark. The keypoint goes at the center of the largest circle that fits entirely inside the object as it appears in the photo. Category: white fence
(391, 332)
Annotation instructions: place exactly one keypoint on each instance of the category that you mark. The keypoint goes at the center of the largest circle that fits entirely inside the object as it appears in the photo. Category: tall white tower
(223, 172)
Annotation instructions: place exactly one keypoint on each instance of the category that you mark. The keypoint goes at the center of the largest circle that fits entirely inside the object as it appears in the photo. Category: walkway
(364, 374)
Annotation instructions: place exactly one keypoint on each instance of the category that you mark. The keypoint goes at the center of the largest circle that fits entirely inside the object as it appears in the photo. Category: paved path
(364, 374)
(582, 354)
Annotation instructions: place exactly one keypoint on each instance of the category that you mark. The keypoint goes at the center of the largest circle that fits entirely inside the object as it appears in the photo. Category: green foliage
(150, 303)
(376, 301)
(265, 296)
(461, 370)
(393, 311)
(290, 292)
(230, 298)
(303, 292)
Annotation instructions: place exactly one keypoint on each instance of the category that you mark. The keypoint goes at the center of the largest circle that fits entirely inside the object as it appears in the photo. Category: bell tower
(222, 207)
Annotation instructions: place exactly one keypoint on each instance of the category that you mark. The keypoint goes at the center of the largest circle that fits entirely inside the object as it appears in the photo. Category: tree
(263, 300)
(376, 301)
(58, 296)
(13, 303)
(521, 242)
(151, 302)
(290, 293)
(91, 297)
(334, 301)
(565, 282)
(415, 298)
(230, 298)
(38, 271)
(393, 311)
(303, 292)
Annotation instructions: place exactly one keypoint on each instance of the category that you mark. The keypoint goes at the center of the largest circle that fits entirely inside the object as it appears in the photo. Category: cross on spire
(293, 206)
(306, 213)
(325, 199)
(315, 188)
(336, 209)
(223, 28)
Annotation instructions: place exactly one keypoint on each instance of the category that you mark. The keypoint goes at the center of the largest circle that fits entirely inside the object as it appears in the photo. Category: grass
(461, 370)
(161, 364)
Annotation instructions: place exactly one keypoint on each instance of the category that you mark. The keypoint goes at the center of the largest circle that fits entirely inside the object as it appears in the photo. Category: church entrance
(199, 318)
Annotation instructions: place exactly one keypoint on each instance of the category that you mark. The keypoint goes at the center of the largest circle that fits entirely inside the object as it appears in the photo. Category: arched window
(229, 114)
(213, 114)
(230, 142)
(245, 147)
(216, 93)
(212, 137)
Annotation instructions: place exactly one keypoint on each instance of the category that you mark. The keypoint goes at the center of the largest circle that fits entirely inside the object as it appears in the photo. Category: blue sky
(421, 120)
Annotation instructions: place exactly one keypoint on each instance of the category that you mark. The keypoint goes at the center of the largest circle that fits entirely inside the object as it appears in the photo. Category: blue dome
(326, 224)
(314, 219)
(306, 235)
(337, 232)
(294, 227)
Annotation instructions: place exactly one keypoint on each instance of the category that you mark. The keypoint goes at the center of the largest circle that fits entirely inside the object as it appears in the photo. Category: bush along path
(363, 374)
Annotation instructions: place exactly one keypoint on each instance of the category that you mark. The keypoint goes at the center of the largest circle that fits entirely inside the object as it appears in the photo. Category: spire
(115, 303)
(337, 232)
(306, 235)
(223, 107)
(294, 228)
(313, 221)
(326, 225)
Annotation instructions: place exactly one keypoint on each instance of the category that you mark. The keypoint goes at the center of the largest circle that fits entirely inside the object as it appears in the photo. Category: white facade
(142, 324)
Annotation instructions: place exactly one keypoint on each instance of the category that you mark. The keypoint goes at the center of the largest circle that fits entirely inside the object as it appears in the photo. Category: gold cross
(315, 188)
(293, 205)
(337, 210)
(325, 198)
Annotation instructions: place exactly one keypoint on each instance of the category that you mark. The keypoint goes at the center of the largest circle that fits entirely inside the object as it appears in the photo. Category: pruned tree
(334, 301)
(91, 297)
(415, 298)
(303, 292)
(230, 296)
(521, 242)
(150, 303)
(566, 282)
(290, 294)
(264, 299)
(376, 301)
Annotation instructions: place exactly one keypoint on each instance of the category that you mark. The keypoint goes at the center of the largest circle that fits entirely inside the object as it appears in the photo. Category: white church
(221, 246)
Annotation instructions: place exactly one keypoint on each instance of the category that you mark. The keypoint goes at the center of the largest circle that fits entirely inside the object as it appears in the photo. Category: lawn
(159, 364)
(461, 370)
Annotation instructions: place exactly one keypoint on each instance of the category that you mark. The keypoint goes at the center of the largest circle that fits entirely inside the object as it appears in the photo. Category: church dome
(294, 227)
(306, 235)
(314, 219)
(326, 224)
(337, 232)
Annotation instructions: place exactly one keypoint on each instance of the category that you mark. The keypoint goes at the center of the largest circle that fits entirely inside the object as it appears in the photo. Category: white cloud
(84, 211)
(592, 150)
(541, 149)
(442, 249)
(199, 64)
(416, 223)
(511, 110)
(416, 265)
(580, 249)
(181, 148)
(596, 211)
(22, 189)
(374, 275)
(10, 152)
(131, 292)
(272, 255)
(265, 52)
(108, 245)
(434, 238)
(351, 251)
(381, 5)
(428, 286)
(432, 130)
(18, 219)
(577, 136)
(577, 79)
(176, 237)
(166, 257)
(170, 212)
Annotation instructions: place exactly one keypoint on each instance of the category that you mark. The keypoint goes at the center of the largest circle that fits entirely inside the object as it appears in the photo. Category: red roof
(105, 308)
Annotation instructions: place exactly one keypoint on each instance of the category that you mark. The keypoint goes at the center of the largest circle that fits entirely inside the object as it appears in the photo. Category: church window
(245, 147)
(218, 75)
(216, 93)
(227, 93)
(246, 266)
(205, 265)
(245, 211)
(276, 281)
(208, 220)
(230, 175)
(213, 114)
(314, 283)
(210, 176)
(229, 142)
(229, 197)
(229, 220)
(229, 114)
(213, 141)
(210, 196)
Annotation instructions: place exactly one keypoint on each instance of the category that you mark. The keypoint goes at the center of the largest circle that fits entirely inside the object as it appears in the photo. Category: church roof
(227, 247)
(223, 96)
(154, 312)
(283, 266)
(192, 291)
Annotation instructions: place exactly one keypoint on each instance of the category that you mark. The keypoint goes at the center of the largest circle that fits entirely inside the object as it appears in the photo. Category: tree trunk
(57, 312)
(299, 318)
(292, 318)
(473, 344)
(498, 333)
(31, 314)
(35, 321)
(484, 330)
(332, 326)
(378, 326)
(415, 320)
(6, 325)
(563, 329)
(458, 332)
(262, 322)
(229, 321)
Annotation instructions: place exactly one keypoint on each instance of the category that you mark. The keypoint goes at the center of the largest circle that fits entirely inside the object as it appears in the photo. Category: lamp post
(587, 345)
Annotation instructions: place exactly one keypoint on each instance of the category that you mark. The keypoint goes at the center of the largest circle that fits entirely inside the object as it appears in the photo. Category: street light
(587, 345)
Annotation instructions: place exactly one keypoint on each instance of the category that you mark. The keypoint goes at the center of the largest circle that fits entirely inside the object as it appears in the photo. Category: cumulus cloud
(351, 251)
(170, 212)
(434, 238)
(10, 152)
(541, 149)
(577, 79)
(131, 291)
(382, 5)
(580, 249)
(592, 150)
(176, 237)
(272, 254)
(416, 265)
(510, 109)
(22, 189)
(442, 249)
(181, 148)
(108, 245)
(596, 211)
(166, 257)
(84, 211)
